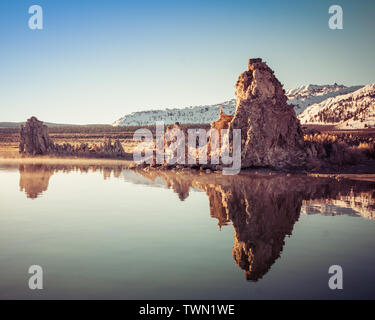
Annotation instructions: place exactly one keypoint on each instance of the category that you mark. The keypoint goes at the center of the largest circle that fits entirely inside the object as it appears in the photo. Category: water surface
(110, 233)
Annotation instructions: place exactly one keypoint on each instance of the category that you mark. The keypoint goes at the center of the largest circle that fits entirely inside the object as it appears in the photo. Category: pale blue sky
(98, 60)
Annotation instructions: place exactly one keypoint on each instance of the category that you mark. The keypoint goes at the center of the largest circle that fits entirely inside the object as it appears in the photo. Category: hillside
(300, 97)
(198, 114)
(304, 96)
(354, 110)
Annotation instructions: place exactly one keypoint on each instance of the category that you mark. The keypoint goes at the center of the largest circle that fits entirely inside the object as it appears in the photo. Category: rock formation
(34, 138)
(106, 149)
(175, 147)
(271, 134)
(221, 123)
(270, 131)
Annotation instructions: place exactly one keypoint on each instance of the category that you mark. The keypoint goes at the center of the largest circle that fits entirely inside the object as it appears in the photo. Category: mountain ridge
(301, 97)
(354, 110)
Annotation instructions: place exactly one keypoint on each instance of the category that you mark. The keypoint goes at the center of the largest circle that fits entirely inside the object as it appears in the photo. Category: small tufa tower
(222, 122)
(34, 138)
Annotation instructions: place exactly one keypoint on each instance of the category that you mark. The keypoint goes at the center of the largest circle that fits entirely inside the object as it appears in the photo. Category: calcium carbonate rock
(175, 145)
(34, 138)
(222, 122)
(270, 131)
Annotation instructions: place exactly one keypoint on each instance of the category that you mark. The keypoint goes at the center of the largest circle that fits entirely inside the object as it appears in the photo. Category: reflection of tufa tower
(34, 179)
(217, 208)
(262, 209)
(263, 214)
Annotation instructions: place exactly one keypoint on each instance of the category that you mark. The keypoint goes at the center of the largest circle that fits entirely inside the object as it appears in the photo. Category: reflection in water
(34, 178)
(262, 208)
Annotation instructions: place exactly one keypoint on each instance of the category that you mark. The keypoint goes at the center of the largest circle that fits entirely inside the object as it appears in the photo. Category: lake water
(110, 233)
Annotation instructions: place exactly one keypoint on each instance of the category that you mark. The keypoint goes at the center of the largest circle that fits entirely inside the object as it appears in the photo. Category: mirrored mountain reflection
(262, 208)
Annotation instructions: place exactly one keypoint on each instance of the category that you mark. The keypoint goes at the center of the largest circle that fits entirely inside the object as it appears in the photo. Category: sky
(95, 61)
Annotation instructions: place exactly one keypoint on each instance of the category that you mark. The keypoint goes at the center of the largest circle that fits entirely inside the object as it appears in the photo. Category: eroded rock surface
(34, 138)
(270, 131)
(175, 145)
(222, 122)
(271, 134)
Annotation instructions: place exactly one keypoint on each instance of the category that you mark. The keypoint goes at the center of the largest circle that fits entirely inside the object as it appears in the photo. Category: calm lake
(109, 233)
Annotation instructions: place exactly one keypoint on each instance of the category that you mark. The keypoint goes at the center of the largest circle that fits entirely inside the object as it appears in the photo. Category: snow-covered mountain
(198, 114)
(300, 97)
(304, 96)
(354, 110)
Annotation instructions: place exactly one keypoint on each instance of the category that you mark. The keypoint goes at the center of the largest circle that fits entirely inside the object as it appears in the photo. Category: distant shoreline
(362, 172)
(9, 141)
